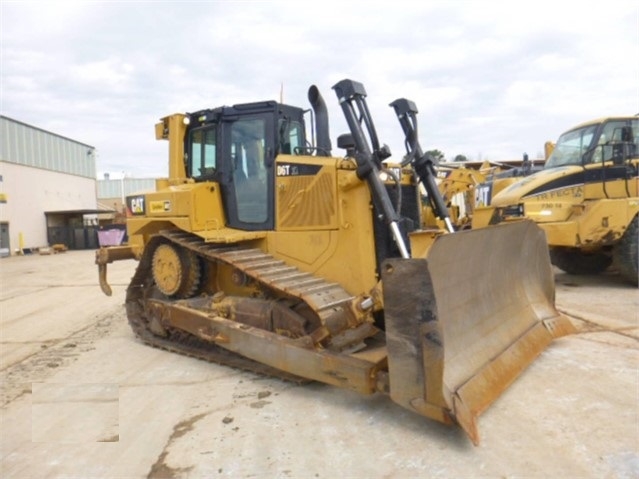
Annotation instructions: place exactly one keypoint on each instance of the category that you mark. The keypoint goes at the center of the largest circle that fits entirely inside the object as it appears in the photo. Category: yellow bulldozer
(263, 251)
(586, 199)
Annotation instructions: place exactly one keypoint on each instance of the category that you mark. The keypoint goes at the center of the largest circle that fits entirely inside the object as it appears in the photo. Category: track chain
(284, 280)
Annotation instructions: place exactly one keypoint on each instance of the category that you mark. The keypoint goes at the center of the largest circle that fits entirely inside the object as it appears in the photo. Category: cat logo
(136, 205)
(483, 195)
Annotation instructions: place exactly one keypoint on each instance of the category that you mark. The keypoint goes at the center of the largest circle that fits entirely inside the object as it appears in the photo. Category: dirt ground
(82, 398)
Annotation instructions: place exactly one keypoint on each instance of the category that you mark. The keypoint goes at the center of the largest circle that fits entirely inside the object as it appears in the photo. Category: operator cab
(613, 139)
(236, 147)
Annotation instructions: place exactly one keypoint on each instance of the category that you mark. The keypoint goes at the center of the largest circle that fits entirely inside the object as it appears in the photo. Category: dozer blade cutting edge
(464, 322)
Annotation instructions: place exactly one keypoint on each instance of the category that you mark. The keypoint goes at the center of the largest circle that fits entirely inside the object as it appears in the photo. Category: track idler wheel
(176, 271)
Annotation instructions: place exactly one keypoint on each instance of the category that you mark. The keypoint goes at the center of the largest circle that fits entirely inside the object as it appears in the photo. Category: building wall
(39, 172)
(30, 192)
(31, 146)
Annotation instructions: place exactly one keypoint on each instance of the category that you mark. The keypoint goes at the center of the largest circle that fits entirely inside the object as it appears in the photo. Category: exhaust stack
(321, 121)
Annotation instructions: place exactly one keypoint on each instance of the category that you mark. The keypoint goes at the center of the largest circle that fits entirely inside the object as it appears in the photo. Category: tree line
(439, 156)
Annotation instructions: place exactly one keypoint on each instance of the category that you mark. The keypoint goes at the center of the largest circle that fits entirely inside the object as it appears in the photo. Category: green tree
(436, 154)
(460, 158)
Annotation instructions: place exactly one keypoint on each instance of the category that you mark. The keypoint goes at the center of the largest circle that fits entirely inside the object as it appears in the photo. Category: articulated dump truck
(586, 198)
(263, 251)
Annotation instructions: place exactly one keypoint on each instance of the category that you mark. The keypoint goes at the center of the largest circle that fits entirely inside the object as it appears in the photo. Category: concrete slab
(573, 413)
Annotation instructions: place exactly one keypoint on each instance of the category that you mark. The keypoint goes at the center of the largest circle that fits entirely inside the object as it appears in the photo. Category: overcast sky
(492, 80)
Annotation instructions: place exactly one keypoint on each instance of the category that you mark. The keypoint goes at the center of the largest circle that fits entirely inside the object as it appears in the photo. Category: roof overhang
(76, 212)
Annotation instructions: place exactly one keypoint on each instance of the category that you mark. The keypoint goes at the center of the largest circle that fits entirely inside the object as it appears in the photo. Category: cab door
(248, 178)
(610, 166)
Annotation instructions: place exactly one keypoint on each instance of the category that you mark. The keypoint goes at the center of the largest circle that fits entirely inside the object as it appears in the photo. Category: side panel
(324, 222)
(193, 207)
(593, 224)
(305, 193)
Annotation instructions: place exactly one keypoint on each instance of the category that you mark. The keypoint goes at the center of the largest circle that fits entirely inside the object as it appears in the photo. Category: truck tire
(626, 254)
(575, 261)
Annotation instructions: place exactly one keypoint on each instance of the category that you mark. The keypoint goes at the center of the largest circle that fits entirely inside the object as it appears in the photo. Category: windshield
(571, 147)
(596, 143)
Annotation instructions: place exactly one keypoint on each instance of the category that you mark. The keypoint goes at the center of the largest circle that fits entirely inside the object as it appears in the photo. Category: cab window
(613, 134)
(290, 136)
(203, 159)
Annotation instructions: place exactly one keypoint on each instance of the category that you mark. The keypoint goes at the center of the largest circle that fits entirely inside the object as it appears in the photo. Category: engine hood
(544, 180)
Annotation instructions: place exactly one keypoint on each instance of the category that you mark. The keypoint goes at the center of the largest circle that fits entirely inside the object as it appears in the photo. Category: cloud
(111, 74)
(489, 78)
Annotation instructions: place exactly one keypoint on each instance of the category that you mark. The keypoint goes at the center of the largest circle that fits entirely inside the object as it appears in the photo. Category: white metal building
(112, 192)
(47, 187)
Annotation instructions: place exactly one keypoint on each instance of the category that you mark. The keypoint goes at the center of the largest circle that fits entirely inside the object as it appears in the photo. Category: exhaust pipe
(321, 121)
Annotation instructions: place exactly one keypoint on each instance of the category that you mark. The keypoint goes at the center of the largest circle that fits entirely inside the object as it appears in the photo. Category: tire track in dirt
(18, 377)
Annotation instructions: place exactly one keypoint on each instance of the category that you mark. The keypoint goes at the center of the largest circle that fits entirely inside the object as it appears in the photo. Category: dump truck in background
(265, 252)
(585, 199)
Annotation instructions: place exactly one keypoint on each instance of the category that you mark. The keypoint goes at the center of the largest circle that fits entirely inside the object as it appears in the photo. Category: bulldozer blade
(466, 320)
